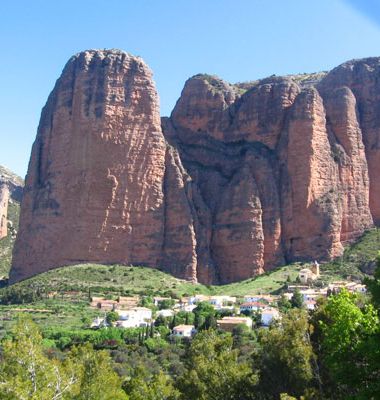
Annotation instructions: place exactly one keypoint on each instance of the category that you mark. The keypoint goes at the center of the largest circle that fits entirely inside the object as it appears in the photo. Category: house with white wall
(134, 317)
(184, 331)
(252, 306)
(268, 315)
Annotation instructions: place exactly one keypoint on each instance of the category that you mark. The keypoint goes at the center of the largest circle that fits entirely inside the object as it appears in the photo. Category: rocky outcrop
(94, 185)
(299, 148)
(240, 178)
(11, 187)
(4, 198)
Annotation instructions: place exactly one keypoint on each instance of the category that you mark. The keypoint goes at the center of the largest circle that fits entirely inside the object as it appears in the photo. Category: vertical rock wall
(4, 198)
(240, 178)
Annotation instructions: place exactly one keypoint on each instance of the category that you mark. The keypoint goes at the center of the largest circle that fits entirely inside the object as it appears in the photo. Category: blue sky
(236, 39)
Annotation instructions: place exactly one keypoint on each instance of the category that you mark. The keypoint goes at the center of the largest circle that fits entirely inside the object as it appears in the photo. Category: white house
(268, 315)
(220, 301)
(310, 304)
(252, 306)
(184, 331)
(165, 313)
(250, 298)
(189, 308)
(197, 299)
(134, 317)
(310, 294)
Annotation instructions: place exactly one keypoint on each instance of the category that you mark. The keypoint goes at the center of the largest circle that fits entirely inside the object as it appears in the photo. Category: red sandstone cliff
(10, 190)
(233, 183)
(4, 198)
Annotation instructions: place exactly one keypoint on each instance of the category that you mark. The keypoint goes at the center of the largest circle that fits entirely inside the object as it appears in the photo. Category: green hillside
(128, 280)
(61, 297)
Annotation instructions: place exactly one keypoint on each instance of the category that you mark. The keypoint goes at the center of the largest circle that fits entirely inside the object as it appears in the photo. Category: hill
(131, 280)
(61, 296)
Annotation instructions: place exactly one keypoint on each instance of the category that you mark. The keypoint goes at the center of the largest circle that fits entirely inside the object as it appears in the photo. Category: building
(122, 303)
(197, 299)
(157, 300)
(268, 298)
(309, 274)
(134, 317)
(268, 315)
(221, 301)
(184, 331)
(189, 308)
(252, 306)
(353, 287)
(229, 323)
(311, 294)
(165, 313)
(310, 304)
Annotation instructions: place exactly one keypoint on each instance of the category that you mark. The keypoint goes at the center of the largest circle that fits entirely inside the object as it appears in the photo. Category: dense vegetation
(333, 353)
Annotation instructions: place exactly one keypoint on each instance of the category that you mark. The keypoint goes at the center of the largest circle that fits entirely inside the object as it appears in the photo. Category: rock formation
(240, 179)
(10, 190)
(4, 198)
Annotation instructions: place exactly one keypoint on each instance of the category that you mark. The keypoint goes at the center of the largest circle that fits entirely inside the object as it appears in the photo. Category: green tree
(201, 312)
(210, 322)
(297, 299)
(240, 336)
(144, 386)
(373, 285)
(27, 374)
(161, 321)
(285, 360)
(284, 304)
(97, 378)
(213, 371)
(349, 346)
(165, 304)
(111, 317)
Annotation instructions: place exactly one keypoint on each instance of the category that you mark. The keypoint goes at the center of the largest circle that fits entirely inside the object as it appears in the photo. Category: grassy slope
(126, 280)
(68, 310)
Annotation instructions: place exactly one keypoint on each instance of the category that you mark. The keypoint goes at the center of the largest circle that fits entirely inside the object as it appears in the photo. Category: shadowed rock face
(229, 186)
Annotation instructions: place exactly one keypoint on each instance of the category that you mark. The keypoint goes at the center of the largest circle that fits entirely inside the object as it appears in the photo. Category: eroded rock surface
(11, 187)
(4, 198)
(240, 178)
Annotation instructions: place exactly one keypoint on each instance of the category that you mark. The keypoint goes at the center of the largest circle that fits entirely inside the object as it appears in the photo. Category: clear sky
(237, 40)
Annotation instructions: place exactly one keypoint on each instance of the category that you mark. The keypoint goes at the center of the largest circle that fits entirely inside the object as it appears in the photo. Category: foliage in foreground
(332, 354)
(26, 372)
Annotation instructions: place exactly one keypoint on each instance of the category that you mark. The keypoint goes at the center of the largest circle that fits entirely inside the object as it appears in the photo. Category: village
(250, 310)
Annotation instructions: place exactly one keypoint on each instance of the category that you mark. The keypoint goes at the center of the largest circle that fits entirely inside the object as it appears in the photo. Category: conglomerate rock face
(231, 185)
(4, 198)
(11, 187)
